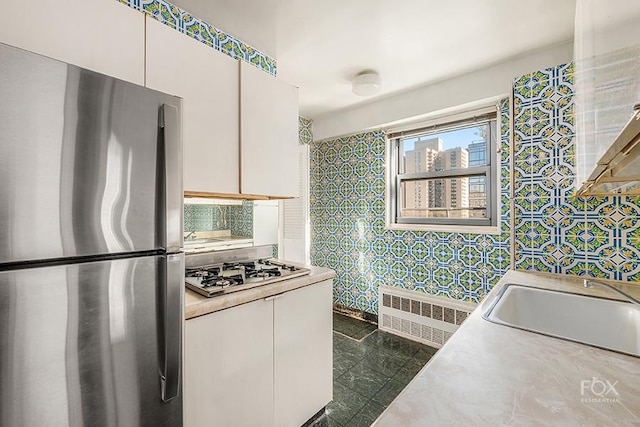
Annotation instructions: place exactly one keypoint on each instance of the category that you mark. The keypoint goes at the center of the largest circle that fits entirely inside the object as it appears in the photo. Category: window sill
(472, 229)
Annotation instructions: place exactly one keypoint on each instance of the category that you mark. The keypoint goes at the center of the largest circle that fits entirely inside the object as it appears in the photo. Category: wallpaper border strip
(200, 30)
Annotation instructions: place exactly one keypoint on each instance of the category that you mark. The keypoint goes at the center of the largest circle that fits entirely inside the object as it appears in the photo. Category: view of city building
(448, 197)
(477, 185)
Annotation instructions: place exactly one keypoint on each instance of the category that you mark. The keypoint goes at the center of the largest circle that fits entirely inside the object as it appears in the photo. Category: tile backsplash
(237, 218)
(203, 218)
(556, 232)
(240, 219)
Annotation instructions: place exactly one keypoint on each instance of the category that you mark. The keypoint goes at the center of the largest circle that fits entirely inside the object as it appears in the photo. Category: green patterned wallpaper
(556, 232)
(347, 185)
(305, 130)
(553, 231)
(202, 31)
(238, 219)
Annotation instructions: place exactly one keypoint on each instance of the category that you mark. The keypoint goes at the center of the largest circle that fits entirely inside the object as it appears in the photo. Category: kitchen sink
(600, 322)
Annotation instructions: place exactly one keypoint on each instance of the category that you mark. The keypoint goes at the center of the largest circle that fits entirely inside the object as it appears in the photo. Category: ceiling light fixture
(366, 83)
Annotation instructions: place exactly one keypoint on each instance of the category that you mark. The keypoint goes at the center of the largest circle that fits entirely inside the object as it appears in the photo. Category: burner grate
(211, 279)
(222, 281)
(202, 272)
(263, 272)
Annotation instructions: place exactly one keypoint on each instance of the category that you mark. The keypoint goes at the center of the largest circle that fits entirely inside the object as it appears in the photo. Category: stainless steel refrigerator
(91, 262)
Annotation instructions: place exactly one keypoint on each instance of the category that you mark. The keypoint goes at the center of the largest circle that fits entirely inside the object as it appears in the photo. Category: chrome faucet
(590, 283)
(189, 234)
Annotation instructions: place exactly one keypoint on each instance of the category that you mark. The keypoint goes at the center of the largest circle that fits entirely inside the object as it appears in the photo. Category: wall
(198, 29)
(555, 231)
(237, 218)
(492, 82)
(203, 217)
(347, 186)
(240, 219)
(305, 130)
(552, 230)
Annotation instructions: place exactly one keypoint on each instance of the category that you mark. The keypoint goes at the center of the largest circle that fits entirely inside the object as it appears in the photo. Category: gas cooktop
(222, 278)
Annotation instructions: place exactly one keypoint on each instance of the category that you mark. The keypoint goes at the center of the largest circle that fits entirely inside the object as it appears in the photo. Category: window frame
(488, 225)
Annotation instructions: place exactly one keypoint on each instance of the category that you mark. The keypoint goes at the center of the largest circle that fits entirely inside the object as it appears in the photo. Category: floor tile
(363, 379)
(366, 416)
(384, 361)
(353, 328)
(394, 343)
(326, 421)
(389, 391)
(346, 403)
(349, 348)
(341, 364)
(369, 372)
(410, 369)
(425, 353)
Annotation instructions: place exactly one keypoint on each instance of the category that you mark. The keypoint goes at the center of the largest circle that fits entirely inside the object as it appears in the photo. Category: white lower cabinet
(228, 368)
(303, 348)
(265, 363)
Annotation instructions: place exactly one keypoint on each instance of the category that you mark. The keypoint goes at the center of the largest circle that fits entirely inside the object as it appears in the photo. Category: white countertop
(490, 374)
(198, 305)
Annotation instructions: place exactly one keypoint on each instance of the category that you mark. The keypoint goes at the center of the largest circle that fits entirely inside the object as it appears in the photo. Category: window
(445, 174)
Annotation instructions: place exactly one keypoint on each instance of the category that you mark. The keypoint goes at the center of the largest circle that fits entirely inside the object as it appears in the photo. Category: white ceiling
(321, 45)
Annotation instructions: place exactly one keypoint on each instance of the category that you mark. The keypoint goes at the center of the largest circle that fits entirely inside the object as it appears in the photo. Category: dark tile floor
(370, 368)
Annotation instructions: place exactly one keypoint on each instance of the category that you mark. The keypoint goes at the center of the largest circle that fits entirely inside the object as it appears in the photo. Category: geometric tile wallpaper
(550, 229)
(183, 21)
(305, 135)
(202, 218)
(238, 219)
(347, 209)
(555, 231)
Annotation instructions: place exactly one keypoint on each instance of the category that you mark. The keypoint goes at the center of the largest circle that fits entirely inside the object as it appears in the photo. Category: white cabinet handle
(273, 297)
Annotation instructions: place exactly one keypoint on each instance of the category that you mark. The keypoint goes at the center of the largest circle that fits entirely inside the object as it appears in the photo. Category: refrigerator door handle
(173, 187)
(170, 329)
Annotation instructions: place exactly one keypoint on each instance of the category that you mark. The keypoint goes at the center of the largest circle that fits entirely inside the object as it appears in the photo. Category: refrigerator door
(89, 165)
(86, 344)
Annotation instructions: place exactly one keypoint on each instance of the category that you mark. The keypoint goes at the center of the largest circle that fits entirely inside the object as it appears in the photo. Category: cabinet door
(100, 35)
(268, 135)
(229, 367)
(303, 353)
(265, 222)
(207, 81)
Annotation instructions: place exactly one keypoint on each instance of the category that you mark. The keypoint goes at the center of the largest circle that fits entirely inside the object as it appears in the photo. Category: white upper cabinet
(607, 87)
(268, 134)
(265, 222)
(207, 81)
(100, 35)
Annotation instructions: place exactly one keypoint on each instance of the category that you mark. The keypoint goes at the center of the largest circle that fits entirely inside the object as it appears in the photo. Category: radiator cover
(420, 317)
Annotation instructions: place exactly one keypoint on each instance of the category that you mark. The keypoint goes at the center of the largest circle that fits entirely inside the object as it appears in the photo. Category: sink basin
(609, 324)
